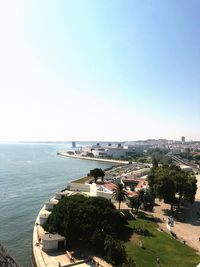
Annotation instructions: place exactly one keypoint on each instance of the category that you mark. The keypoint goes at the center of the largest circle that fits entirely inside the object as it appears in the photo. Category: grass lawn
(171, 252)
(83, 180)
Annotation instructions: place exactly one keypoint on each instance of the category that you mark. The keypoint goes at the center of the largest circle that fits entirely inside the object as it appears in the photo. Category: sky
(99, 70)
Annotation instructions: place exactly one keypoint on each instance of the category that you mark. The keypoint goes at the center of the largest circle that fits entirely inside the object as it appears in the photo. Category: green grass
(171, 252)
(83, 180)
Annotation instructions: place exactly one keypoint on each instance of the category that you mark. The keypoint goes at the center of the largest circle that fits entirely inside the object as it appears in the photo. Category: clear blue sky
(99, 70)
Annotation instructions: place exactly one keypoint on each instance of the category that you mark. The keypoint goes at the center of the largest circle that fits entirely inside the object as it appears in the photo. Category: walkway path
(94, 159)
(189, 228)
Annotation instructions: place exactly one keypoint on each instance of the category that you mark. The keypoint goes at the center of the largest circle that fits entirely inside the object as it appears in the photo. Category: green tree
(115, 251)
(85, 220)
(159, 155)
(144, 198)
(119, 194)
(96, 173)
(136, 201)
(129, 263)
(172, 184)
(148, 200)
(154, 162)
(197, 157)
(190, 188)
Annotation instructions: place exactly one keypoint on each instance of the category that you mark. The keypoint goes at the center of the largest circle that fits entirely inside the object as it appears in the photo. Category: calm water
(29, 175)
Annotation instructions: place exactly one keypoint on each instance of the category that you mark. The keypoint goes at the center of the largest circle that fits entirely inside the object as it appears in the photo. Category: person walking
(158, 261)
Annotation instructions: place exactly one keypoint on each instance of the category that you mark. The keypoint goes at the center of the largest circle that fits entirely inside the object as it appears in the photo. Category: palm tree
(143, 197)
(119, 194)
(137, 200)
(135, 203)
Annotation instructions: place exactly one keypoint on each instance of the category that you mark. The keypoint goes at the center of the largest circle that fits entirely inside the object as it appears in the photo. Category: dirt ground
(187, 221)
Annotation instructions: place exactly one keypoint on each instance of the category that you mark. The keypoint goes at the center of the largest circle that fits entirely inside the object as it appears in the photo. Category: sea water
(30, 174)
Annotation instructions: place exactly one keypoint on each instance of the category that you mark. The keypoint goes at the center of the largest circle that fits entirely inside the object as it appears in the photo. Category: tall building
(74, 144)
(183, 139)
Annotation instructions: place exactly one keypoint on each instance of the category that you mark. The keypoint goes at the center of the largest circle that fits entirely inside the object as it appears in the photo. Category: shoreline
(37, 256)
(56, 258)
(65, 154)
(180, 228)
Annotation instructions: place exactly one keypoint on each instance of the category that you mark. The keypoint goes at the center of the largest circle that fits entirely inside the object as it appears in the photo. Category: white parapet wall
(58, 195)
(186, 168)
(50, 204)
(50, 242)
(138, 173)
(44, 217)
(49, 245)
(104, 194)
(80, 187)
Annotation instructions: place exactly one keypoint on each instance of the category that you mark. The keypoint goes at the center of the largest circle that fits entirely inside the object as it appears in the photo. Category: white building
(183, 139)
(113, 151)
(186, 168)
(120, 152)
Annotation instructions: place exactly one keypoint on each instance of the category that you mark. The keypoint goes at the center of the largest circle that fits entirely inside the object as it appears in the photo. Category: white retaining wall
(80, 187)
(103, 194)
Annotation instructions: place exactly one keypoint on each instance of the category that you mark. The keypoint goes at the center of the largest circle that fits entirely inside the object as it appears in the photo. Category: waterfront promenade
(65, 154)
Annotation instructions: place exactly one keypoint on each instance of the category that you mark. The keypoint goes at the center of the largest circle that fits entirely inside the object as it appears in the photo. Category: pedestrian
(158, 261)
(92, 262)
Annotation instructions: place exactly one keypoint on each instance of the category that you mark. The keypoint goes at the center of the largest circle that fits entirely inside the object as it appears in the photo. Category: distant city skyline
(99, 70)
(99, 141)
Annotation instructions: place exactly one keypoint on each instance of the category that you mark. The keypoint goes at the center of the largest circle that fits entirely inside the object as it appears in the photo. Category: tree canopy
(96, 173)
(171, 184)
(115, 251)
(159, 156)
(85, 220)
